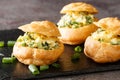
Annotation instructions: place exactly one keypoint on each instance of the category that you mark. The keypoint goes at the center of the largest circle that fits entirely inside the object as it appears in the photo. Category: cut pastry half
(39, 45)
(104, 45)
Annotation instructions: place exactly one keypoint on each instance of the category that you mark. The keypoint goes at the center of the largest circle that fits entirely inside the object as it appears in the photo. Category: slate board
(20, 71)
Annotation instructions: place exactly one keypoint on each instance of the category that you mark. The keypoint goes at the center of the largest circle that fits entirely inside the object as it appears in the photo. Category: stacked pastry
(104, 44)
(42, 43)
(39, 45)
(77, 23)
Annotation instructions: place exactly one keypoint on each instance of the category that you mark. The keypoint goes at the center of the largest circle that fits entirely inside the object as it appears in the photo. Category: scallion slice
(11, 43)
(78, 49)
(1, 43)
(76, 56)
(33, 69)
(8, 60)
(43, 68)
(56, 65)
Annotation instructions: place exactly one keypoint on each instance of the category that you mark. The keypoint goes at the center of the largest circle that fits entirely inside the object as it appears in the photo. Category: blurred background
(14, 13)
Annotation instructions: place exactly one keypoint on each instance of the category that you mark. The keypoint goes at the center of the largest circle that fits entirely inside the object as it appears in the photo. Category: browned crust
(36, 56)
(101, 52)
(43, 27)
(111, 24)
(76, 36)
(79, 7)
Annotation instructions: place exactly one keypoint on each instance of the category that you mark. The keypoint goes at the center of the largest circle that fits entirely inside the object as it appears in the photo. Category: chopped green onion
(75, 56)
(78, 49)
(56, 65)
(43, 68)
(11, 43)
(8, 60)
(14, 58)
(100, 40)
(1, 43)
(89, 19)
(33, 69)
(24, 44)
(114, 42)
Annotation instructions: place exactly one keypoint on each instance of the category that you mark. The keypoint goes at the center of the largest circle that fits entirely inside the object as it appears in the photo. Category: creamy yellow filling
(75, 20)
(108, 37)
(36, 40)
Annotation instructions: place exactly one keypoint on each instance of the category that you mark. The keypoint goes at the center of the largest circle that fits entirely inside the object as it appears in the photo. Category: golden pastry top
(79, 7)
(110, 24)
(46, 28)
(109, 30)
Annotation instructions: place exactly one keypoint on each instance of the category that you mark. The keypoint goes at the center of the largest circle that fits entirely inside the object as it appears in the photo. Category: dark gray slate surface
(14, 13)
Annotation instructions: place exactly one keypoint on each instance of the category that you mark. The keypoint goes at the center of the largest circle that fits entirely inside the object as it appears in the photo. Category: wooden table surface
(14, 13)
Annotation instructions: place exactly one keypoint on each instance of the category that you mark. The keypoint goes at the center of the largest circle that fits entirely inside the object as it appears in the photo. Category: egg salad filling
(75, 20)
(36, 40)
(105, 36)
